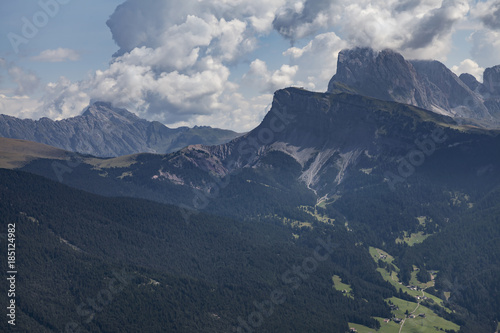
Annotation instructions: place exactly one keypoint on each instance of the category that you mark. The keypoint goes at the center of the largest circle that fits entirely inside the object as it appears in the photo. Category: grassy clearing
(413, 239)
(431, 322)
(428, 324)
(366, 171)
(403, 306)
(342, 287)
(392, 278)
(297, 224)
(125, 174)
(390, 327)
(380, 254)
(322, 204)
(117, 162)
(414, 281)
(314, 213)
(16, 153)
(422, 220)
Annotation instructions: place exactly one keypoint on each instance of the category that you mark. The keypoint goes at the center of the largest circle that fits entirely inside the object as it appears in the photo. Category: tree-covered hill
(89, 263)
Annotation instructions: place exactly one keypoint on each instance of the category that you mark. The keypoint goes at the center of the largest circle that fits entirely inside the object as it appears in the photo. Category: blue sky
(77, 26)
(216, 62)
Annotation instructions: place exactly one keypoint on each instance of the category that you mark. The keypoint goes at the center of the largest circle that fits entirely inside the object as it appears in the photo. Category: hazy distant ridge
(105, 131)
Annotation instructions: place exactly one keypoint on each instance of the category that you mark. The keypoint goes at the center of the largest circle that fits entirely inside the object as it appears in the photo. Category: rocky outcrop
(447, 93)
(386, 75)
(470, 81)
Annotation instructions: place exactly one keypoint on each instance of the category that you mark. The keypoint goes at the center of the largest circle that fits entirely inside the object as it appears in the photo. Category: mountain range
(389, 162)
(105, 131)
(327, 140)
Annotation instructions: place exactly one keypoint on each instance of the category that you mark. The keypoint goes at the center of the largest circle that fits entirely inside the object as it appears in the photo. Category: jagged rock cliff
(386, 75)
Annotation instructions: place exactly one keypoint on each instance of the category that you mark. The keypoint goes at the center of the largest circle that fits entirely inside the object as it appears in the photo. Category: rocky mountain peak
(384, 75)
(388, 76)
(105, 111)
(470, 80)
(105, 131)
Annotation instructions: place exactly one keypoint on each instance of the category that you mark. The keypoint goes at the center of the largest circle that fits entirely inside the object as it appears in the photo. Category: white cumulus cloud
(471, 67)
(298, 19)
(57, 55)
(18, 106)
(486, 47)
(317, 60)
(27, 82)
(269, 81)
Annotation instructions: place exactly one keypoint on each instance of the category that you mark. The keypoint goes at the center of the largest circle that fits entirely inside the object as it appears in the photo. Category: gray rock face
(386, 75)
(328, 135)
(447, 93)
(105, 131)
(491, 80)
(470, 81)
